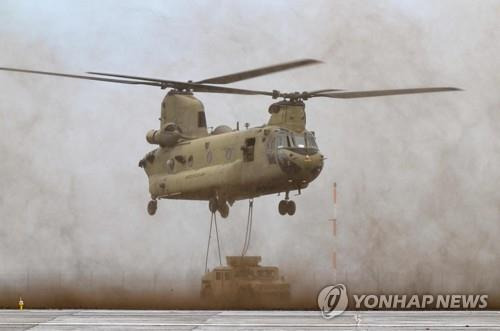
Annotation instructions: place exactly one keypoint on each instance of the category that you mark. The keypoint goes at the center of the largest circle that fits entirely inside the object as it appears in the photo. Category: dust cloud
(418, 176)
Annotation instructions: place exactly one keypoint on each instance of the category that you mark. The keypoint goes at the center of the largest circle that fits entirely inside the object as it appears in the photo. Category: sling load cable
(213, 220)
(248, 233)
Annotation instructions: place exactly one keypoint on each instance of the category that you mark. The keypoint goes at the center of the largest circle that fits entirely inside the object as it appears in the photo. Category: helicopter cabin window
(227, 275)
(218, 275)
(202, 121)
(248, 149)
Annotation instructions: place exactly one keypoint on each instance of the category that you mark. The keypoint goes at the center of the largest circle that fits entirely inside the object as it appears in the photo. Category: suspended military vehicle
(226, 165)
(243, 282)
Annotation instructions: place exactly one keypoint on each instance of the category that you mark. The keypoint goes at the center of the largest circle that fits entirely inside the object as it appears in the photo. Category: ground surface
(231, 320)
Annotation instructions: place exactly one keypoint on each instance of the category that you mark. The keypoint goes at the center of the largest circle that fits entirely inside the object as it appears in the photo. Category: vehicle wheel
(212, 205)
(282, 207)
(290, 207)
(152, 206)
(224, 210)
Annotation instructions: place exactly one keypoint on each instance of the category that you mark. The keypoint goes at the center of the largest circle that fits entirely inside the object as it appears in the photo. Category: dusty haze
(418, 176)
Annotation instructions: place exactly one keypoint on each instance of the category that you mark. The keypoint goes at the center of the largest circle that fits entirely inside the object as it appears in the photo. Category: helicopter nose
(302, 167)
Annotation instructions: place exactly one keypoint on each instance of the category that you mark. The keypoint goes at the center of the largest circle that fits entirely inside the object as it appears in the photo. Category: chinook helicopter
(226, 165)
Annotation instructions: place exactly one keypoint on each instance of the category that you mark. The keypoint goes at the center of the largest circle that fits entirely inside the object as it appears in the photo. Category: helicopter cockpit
(302, 143)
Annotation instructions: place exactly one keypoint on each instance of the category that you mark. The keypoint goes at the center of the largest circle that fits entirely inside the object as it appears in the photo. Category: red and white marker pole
(334, 224)
(334, 209)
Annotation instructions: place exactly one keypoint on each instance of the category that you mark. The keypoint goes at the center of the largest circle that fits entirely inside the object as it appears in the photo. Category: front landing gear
(152, 206)
(286, 206)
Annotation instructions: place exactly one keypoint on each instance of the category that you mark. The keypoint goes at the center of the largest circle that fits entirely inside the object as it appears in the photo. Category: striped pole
(334, 225)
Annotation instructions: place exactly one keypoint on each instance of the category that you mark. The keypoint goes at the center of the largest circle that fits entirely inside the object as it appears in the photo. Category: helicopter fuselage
(234, 165)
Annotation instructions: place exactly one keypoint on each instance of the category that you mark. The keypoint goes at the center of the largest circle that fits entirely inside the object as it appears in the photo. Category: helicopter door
(271, 150)
(249, 150)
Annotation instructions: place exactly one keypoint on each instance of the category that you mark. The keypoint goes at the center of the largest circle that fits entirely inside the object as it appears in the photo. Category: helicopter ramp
(243, 320)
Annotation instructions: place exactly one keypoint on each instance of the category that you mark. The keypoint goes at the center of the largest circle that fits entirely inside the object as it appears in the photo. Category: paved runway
(242, 320)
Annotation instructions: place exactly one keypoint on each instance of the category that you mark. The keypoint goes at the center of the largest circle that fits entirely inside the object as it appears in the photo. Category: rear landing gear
(219, 206)
(152, 206)
(286, 206)
(224, 210)
(212, 205)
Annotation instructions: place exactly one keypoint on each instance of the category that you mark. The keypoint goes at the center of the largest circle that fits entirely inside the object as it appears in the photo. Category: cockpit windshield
(311, 140)
(299, 142)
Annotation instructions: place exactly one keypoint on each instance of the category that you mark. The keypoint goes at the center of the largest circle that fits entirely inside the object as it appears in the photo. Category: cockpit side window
(280, 141)
(284, 139)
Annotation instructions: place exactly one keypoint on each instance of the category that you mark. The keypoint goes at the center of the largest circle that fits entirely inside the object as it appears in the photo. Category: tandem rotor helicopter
(226, 165)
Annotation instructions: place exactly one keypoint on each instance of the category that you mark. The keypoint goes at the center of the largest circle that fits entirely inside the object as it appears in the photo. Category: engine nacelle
(221, 129)
(163, 138)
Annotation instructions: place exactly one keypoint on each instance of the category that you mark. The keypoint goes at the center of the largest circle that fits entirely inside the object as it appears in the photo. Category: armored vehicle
(243, 282)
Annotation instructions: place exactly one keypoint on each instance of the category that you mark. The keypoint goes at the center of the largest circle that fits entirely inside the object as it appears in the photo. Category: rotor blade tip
(314, 61)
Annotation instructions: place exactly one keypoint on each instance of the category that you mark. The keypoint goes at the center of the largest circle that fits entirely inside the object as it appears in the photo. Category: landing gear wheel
(282, 207)
(290, 207)
(152, 206)
(212, 205)
(224, 210)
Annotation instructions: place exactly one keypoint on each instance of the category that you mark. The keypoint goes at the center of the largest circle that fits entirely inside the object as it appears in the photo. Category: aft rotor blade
(111, 80)
(322, 91)
(379, 93)
(231, 78)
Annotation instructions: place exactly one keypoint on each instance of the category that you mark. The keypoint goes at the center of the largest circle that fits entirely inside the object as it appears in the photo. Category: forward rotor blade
(159, 83)
(192, 86)
(134, 77)
(231, 78)
(111, 80)
(378, 93)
